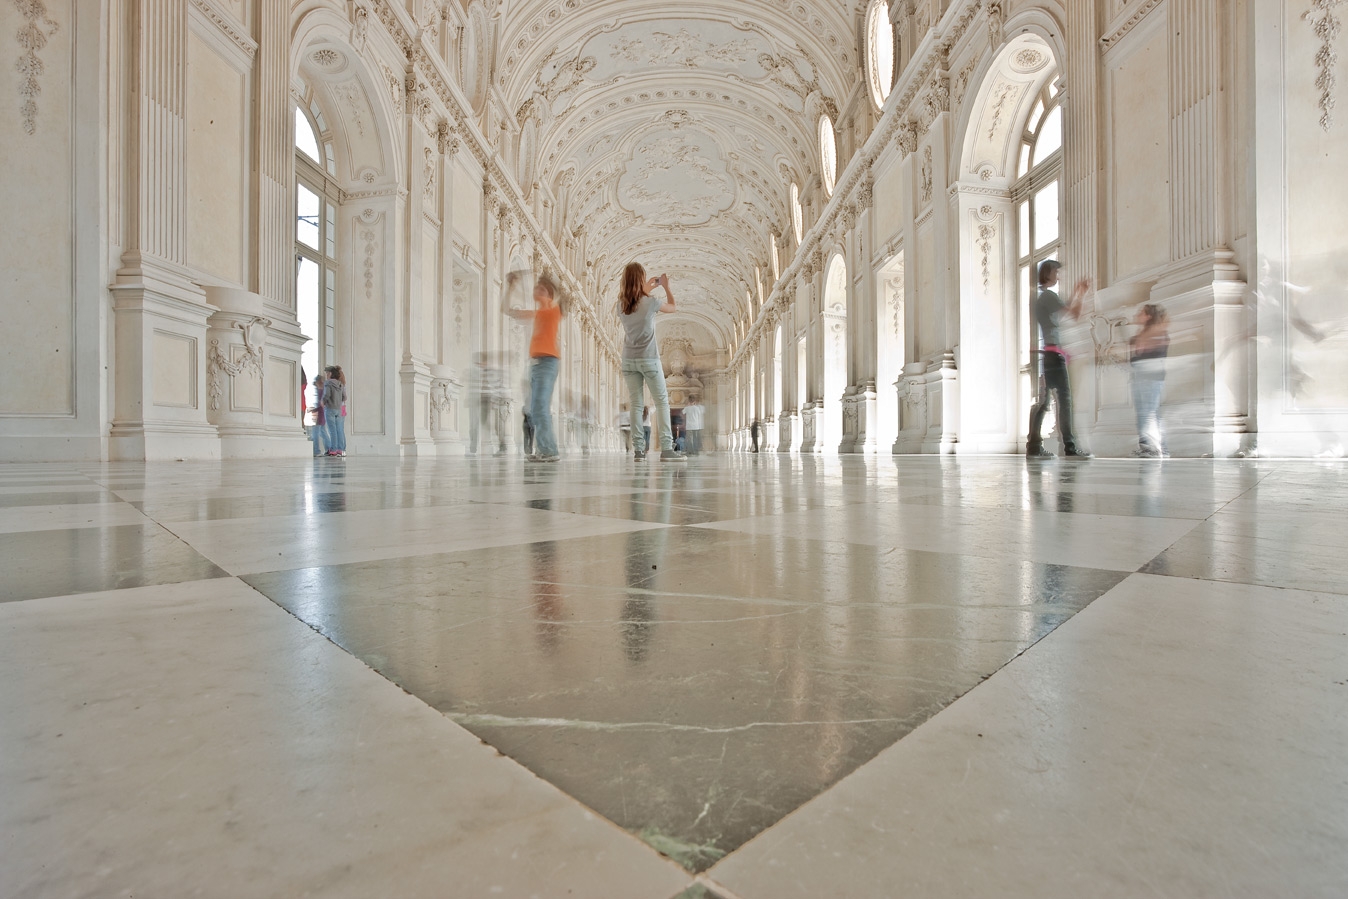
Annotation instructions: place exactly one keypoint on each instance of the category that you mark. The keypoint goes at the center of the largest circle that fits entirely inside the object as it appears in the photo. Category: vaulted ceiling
(672, 130)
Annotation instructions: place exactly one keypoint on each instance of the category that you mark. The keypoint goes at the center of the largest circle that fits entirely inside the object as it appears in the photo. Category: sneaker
(1039, 453)
(549, 458)
(533, 457)
(639, 455)
(1146, 454)
(672, 456)
(1078, 454)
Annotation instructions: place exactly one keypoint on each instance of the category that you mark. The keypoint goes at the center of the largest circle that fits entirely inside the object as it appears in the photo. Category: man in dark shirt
(1048, 311)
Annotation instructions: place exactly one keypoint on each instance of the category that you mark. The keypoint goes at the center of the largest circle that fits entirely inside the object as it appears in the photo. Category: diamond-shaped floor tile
(694, 686)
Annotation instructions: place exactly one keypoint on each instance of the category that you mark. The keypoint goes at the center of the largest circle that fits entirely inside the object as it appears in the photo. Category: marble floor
(745, 677)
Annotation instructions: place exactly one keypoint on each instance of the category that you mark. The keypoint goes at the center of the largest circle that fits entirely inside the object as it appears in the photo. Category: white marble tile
(17, 519)
(194, 739)
(1176, 738)
(252, 545)
(1115, 542)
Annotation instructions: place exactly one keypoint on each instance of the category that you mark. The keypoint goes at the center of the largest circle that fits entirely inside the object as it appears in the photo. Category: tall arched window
(1037, 195)
(879, 51)
(828, 154)
(797, 216)
(316, 199)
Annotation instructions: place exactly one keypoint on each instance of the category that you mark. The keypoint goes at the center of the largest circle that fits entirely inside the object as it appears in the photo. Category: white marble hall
(962, 590)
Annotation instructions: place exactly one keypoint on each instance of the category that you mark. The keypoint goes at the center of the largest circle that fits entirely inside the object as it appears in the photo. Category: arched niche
(834, 351)
(992, 194)
(360, 104)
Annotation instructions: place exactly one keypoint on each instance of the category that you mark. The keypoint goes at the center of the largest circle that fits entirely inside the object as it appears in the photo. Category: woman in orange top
(546, 360)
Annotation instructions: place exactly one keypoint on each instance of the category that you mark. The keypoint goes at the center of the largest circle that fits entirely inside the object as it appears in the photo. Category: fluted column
(1081, 141)
(274, 159)
(160, 347)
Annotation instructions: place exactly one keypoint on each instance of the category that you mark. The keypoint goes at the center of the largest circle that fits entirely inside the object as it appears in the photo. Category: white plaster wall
(217, 136)
(1139, 135)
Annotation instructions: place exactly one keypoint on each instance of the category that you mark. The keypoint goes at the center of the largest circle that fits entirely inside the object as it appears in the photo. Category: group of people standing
(329, 411)
(641, 367)
(1147, 351)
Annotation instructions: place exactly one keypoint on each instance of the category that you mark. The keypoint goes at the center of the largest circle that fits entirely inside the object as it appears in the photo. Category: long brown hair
(634, 287)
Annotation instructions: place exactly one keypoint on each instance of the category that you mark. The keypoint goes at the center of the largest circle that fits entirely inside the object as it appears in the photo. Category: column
(160, 314)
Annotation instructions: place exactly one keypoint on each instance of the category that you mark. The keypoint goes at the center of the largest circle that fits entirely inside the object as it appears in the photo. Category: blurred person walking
(1048, 311)
(641, 354)
(486, 393)
(1147, 351)
(625, 426)
(318, 431)
(693, 417)
(545, 356)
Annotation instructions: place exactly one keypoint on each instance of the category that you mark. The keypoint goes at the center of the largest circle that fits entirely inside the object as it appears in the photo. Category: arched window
(797, 216)
(776, 260)
(828, 153)
(316, 197)
(879, 51)
(1037, 195)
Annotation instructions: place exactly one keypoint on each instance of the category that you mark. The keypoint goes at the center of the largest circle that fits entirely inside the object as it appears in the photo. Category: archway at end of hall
(1010, 205)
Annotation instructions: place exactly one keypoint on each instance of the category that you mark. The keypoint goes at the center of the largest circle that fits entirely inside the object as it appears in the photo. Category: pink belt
(1051, 348)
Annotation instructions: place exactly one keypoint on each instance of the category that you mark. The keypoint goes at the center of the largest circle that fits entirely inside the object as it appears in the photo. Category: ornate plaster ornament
(32, 36)
(986, 235)
(219, 366)
(996, 24)
(360, 27)
(1004, 94)
(428, 177)
(927, 174)
(1327, 26)
(1029, 60)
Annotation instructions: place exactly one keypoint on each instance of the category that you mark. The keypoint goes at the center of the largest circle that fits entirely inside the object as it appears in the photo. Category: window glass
(305, 139)
(330, 236)
(1046, 215)
(1024, 212)
(797, 215)
(1050, 136)
(306, 310)
(1036, 114)
(828, 153)
(1027, 335)
(306, 222)
(1024, 160)
(880, 51)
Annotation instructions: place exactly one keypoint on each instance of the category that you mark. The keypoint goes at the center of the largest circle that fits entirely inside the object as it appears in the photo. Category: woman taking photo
(545, 359)
(641, 355)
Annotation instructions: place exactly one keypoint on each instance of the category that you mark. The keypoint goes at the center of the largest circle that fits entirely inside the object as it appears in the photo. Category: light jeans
(639, 373)
(335, 430)
(1148, 384)
(542, 378)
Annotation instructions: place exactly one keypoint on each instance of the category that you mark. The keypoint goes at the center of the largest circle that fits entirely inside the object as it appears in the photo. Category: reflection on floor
(700, 654)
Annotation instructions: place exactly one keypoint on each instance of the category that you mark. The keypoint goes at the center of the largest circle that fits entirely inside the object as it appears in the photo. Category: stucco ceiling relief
(676, 176)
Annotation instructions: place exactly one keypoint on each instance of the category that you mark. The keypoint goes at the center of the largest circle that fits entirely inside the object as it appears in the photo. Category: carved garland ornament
(220, 365)
(32, 36)
(1327, 27)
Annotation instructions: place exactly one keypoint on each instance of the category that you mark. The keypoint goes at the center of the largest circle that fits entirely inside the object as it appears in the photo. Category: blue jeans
(1148, 383)
(334, 431)
(639, 373)
(542, 378)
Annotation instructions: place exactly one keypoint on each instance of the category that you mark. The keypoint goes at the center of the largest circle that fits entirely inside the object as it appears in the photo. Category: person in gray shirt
(1049, 309)
(641, 354)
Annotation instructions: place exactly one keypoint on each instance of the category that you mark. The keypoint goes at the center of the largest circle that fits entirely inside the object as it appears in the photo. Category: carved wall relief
(1327, 27)
(219, 366)
(33, 35)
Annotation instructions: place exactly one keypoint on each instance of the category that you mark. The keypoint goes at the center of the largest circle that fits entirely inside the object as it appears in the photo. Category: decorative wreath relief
(33, 35)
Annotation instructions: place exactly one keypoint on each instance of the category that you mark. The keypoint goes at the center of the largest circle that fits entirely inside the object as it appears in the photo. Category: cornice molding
(1131, 21)
(228, 26)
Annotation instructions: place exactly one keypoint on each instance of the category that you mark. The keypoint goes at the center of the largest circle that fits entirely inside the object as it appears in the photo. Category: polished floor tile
(690, 685)
(1097, 541)
(86, 560)
(251, 545)
(14, 519)
(851, 677)
(195, 740)
(1177, 738)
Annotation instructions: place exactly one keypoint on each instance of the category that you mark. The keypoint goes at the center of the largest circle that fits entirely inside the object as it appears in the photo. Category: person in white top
(692, 423)
(625, 425)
